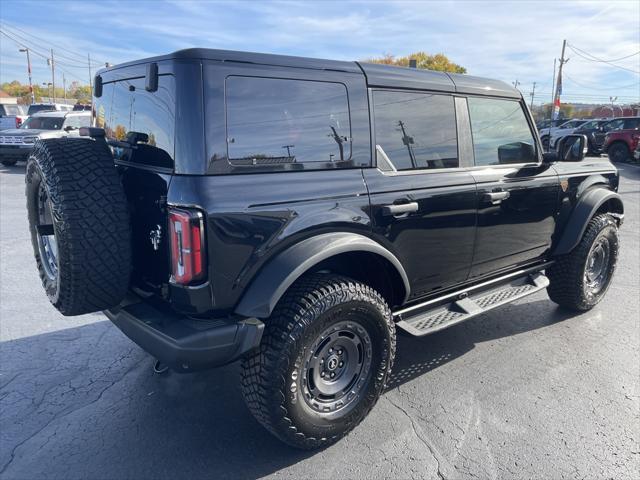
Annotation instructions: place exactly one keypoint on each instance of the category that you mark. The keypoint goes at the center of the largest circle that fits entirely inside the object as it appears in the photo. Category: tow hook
(160, 368)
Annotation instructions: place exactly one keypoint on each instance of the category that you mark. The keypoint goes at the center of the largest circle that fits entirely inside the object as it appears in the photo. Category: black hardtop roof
(377, 75)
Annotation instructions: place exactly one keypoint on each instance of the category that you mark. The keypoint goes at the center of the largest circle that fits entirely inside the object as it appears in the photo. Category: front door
(517, 194)
(423, 204)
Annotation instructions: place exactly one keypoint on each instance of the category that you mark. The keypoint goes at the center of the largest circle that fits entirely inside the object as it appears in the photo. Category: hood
(24, 132)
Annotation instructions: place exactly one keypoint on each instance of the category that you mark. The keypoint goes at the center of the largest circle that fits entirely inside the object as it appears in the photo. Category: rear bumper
(182, 343)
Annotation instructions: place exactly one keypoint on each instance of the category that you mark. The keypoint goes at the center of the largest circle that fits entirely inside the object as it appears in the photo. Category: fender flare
(586, 207)
(276, 277)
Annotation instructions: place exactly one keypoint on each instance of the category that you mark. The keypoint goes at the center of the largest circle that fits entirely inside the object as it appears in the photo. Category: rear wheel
(323, 361)
(79, 224)
(580, 279)
(619, 152)
(9, 163)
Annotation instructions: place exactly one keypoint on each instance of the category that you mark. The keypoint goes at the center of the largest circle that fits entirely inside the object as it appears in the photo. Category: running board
(467, 305)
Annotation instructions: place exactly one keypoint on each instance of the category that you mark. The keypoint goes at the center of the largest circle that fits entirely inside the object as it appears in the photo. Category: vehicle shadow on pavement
(19, 169)
(84, 403)
(419, 355)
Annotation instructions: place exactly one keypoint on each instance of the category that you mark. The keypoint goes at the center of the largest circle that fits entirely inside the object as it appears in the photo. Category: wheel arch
(597, 199)
(619, 141)
(343, 253)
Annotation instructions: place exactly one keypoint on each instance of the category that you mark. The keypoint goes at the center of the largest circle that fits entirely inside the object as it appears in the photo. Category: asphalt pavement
(525, 391)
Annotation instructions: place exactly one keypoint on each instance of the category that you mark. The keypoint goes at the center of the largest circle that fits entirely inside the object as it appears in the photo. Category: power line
(13, 27)
(596, 59)
(593, 58)
(635, 84)
(33, 46)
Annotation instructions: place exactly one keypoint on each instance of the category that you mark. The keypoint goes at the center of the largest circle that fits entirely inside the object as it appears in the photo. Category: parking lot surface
(525, 391)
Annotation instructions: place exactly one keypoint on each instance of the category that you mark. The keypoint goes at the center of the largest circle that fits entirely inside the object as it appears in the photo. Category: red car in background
(621, 142)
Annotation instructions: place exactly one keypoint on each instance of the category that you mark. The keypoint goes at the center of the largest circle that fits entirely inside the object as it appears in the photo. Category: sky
(507, 40)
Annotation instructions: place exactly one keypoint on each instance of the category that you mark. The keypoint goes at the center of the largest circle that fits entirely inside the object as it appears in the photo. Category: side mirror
(151, 78)
(572, 148)
(97, 86)
(68, 128)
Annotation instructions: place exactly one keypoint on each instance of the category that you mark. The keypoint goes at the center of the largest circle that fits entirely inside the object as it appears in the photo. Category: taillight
(18, 122)
(188, 261)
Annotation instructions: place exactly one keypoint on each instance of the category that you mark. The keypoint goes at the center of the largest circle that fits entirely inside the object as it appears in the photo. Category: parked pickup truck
(11, 116)
(294, 213)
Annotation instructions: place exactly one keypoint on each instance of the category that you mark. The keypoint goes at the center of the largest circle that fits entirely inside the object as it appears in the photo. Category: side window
(415, 130)
(632, 123)
(127, 111)
(77, 121)
(613, 125)
(501, 134)
(278, 121)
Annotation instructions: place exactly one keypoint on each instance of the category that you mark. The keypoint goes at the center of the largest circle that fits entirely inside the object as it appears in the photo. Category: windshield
(39, 108)
(591, 124)
(43, 123)
(12, 110)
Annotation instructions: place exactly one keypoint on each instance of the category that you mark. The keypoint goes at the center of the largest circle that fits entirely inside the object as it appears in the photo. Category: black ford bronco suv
(294, 213)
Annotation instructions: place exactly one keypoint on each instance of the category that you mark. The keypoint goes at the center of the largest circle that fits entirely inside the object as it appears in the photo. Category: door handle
(495, 197)
(400, 209)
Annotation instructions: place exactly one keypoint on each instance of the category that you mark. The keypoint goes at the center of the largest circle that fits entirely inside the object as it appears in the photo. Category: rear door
(517, 194)
(606, 128)
(145, 120)
(423, 200)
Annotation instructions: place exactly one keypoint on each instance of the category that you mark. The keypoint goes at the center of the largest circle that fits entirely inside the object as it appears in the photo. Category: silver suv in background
(49, 107)
(17, 143)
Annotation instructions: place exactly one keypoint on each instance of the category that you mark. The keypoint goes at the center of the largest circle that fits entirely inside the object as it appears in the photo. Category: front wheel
(580, 279)
(325, 356)
(618, 152)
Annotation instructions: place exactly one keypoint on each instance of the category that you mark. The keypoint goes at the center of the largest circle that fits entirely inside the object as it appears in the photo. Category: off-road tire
(90, 223)
(8, 163)
(568, 287)
(272, 376)
(619, 152)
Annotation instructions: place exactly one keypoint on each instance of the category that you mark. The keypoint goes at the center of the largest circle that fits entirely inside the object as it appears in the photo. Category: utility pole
(556, 100)
(339, 141)
(53, 75)
(533, 94)
(516, 83)
(90, 78)
(64, 87)
(33, 96)
(408, 141)
(613, 111)
(553, 89)
(288, 147)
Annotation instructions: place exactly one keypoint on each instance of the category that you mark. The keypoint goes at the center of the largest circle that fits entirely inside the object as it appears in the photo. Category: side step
(432, 318)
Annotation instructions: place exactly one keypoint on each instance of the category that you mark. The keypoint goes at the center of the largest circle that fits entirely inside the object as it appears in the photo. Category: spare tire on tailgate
(79, 223)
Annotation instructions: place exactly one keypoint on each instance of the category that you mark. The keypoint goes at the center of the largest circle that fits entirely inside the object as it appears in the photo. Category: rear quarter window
(287, 124)
(126, 111)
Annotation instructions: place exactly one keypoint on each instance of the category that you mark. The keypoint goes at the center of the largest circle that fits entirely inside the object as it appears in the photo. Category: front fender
(277, 276)
(584, 210)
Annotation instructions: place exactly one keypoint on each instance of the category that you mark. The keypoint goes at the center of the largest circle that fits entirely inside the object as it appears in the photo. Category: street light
(613, 111)
(48, 84)
(33, 97)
